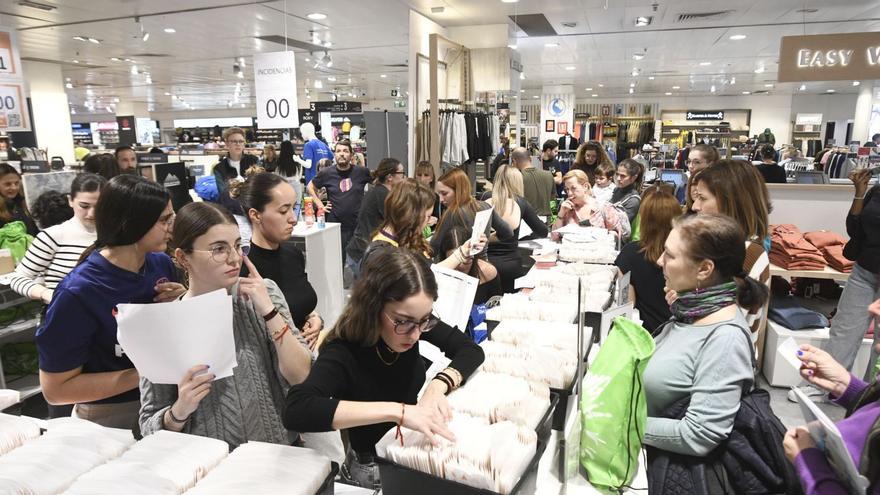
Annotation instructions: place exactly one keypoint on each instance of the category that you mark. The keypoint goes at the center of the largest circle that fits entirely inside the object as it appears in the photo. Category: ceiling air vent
(704, 16)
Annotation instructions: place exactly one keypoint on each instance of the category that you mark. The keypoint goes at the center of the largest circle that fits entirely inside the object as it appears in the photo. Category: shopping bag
(613, 409)
(14, 237)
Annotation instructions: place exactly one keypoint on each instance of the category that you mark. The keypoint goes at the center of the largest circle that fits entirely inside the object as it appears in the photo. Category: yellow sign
(829, 57)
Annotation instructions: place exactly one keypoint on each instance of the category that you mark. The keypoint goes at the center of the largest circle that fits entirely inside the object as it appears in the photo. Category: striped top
(757, 265)
(51, 256)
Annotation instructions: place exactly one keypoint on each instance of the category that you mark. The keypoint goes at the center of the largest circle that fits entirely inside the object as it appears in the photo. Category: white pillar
(862, 120)
(51, 111)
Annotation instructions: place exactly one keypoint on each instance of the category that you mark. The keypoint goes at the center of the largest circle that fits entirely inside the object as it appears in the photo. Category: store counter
(811, 206)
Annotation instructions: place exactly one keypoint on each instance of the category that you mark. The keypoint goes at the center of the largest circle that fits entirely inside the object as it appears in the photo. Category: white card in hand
(789, 350)
(481, 221)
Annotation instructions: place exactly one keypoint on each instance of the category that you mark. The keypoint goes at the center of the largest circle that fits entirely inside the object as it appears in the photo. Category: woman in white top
(288, 168)
(56, 250)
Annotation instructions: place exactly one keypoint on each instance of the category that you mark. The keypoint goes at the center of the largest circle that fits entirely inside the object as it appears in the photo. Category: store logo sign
(704, 115)
(557, 107)
(829, 57)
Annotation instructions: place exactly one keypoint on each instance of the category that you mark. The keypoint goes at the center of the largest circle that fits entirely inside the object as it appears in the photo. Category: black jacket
(223, 172)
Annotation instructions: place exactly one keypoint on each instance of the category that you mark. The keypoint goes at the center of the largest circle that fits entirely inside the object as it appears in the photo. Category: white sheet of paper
(481, 221)
(164, 340)
(788, 350)
(524, 229)
(455, 296)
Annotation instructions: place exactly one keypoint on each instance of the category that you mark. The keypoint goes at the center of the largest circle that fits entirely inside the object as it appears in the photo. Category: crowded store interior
(431, 247)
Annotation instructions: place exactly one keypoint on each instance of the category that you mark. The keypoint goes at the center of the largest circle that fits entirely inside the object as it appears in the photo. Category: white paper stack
(257, 468)
(15, 431)
(528, 334)
(544, 365)
(485, 456)
(9, 398)
(496, 398)
(592, 248)
(69, 448)
(172, 462)
(520, 307)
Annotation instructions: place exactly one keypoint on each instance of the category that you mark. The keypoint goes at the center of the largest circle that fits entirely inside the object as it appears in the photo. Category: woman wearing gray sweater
(704, 351)
(271, 352)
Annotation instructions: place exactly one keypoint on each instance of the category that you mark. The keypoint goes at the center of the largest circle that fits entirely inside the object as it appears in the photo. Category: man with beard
(345, 190)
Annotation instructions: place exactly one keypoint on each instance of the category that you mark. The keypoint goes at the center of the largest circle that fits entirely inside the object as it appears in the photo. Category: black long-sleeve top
(465, 218)
(286, 266)
(370, 218)
(350, 372)
(509, 245)
(864, 230)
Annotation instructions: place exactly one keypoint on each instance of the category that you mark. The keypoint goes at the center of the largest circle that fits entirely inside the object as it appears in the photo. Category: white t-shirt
(235, 165)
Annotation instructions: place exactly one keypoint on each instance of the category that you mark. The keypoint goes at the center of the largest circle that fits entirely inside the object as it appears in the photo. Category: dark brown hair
(386, 167)
(5, 214)
(344, 142)
(720, 239)
(256, 191)
(404, 208)
(194, 220)
(391, 275)
(634, 168)
(740, 193)
(423, 167)
(710, 153)
(656, 213)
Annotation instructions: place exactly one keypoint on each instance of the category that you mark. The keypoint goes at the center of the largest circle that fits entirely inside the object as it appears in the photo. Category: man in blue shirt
(315, 150)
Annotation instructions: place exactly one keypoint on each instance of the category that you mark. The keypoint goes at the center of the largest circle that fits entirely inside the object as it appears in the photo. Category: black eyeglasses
(403, 327)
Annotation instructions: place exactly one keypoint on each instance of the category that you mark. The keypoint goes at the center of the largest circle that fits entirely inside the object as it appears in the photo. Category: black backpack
(750, 461)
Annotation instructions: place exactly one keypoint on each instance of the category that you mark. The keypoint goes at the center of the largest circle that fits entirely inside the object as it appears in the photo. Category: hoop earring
(698, 290)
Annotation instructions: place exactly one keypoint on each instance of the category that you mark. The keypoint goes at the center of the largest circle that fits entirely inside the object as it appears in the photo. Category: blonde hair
(580, 176)
(508, 185)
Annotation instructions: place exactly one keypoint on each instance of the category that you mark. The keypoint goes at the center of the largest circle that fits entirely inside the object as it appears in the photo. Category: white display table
(780, 373)
(827, 272)
(323, 252)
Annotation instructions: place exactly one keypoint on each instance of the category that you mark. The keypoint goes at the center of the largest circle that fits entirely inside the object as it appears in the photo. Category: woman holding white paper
(369, 372)
(270, 351)
(81, 361)
(862, 401)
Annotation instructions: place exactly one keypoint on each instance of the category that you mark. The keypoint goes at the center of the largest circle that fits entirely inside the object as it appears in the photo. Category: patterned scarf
(693, 305)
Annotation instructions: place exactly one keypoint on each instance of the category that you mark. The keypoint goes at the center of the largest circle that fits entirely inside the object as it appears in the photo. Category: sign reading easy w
(275, 84)
(704, 115)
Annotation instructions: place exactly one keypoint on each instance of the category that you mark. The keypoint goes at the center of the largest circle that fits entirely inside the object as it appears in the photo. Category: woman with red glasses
(369, 371)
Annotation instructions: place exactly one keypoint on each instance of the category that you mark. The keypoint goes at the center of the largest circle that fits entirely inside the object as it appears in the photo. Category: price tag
(12, 115)
(275, 84)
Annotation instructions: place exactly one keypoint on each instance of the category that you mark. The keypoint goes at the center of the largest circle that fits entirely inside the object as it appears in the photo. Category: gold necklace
(386, 363)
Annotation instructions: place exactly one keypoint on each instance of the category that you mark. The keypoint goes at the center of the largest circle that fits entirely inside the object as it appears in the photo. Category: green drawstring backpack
(613, 409)
(14, 237)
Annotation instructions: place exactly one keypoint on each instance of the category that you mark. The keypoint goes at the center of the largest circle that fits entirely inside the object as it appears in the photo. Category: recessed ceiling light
(114, 59)
(170, 30)
(650, 78)
(383, 76)
(588, 89)
(551, 45)
(601, 85)
(68, 85)
(803, 87)
(704, 64)
(512, 47)
(631, 91)
(331, 78)
(308, 59)
(522, 91)
(856, 83)
(668, 94)
(94, 40)
(595, 95)
(75, 61)
(536, 97)
(746, 92)
(738, 37)
(638, 56)
(317, 16)
(829, 90)
(632, 85)
(328, 44)
(759, 70)
(167, 93)
(509, 1)
(570, 67)
(676, 87)
(768, 85)
(712, 89)
(522, 76)
(643, 21)
(80, 38)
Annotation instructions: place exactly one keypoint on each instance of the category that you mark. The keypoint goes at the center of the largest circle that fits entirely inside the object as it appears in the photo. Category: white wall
(50, 106)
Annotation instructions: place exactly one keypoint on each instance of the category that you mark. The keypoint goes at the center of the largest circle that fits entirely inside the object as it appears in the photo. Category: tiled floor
(789, 412)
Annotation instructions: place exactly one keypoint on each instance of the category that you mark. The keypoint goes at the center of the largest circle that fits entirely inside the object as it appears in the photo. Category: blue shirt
(80, 326)
(315, 150)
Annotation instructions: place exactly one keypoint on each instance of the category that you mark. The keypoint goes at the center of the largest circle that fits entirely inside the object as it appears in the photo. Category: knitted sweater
(51, 256)
(246, 406)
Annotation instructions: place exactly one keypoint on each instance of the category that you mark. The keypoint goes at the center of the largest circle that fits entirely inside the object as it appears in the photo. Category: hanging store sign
(829, 57)
(336, 106)
(704, 115)
(275, 85)
(808, 119)
(13, 106)
(127, 134)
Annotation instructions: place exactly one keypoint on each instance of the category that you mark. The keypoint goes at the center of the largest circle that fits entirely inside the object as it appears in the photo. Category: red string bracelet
(399, 433)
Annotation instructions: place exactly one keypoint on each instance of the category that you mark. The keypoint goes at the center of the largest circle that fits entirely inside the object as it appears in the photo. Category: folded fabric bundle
(789, 237)
(790, 250)
(787, 312)
(823, 238)
(835, 258)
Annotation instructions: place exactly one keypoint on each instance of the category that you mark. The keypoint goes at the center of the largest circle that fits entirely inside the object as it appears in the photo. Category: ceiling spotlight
(631, 90)
(634, 73)
(676, 87)
(738, 37)
(668, 93)
(768, 85)
(705, 64)
(569, 67)
(319, 84)
(643, 21)
(167, 93)
(331, 78)
(601, 85)
(146, 36)
(746, 92)
(594, 95)
(638, 56)
(759, 70)
(68, 85)
(829, 90)
(632, 84)
(522, 91)
(383, 76)
(712, 89)
(93, 40)
(75, 61)
(803, 87)
(536, 97)
(512, 46)
(114, 59)
(650, 78)
(170, 30)
(317, 16)
(509, 1)
(588, 89)
(522, 76)
(80, 38)
(551, 45)
(856, 83)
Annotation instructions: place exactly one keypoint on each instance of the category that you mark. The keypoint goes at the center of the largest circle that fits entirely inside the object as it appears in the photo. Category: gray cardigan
(714, 372)
(245, 406)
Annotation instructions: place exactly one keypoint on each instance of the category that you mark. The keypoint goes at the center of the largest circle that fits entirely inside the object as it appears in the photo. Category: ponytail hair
(386, 168)
(720, 239)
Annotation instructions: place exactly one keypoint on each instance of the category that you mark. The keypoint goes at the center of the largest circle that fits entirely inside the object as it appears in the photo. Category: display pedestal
(322, 249)
(780, 373)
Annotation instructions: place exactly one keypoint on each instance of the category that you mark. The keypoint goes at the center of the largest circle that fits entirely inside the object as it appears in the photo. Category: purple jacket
(817, 476)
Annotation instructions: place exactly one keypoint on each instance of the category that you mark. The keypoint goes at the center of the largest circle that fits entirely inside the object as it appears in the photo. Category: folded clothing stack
(787, 312)
(830, 244)
(791, 251)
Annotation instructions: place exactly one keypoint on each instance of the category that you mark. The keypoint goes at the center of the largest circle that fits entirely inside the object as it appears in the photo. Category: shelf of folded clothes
(816, 254)
(825, 272)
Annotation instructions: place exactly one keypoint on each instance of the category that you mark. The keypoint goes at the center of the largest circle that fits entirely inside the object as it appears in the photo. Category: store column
(862, 120)
(51, 122)
(557, 111)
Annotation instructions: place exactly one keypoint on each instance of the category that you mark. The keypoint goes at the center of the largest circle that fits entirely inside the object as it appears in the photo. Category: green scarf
(693, 305)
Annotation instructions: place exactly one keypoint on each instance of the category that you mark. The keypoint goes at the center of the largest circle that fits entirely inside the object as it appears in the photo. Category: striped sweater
(51, 256)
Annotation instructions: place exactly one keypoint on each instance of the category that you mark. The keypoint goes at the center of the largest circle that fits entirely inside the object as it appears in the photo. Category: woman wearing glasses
(80, 359)
(269, 202)
(270, 351)
(369, 372)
